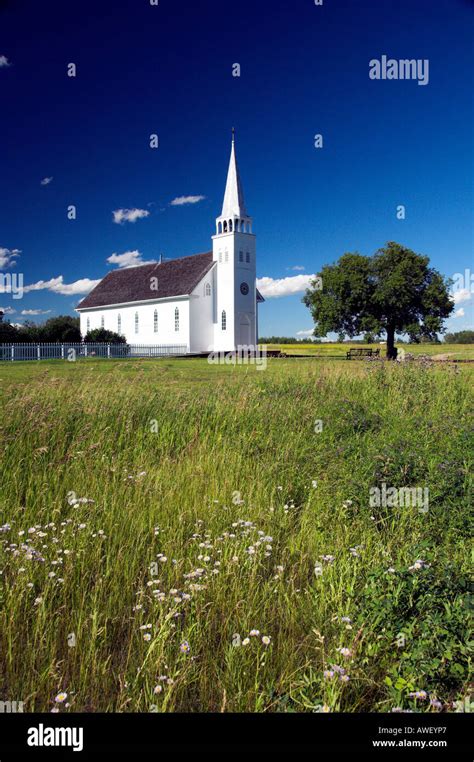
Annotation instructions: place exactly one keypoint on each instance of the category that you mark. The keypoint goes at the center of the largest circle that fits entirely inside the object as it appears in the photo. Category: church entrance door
(245, 338)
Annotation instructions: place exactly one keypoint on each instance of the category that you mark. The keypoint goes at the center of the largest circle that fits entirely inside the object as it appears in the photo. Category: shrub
(99, 335)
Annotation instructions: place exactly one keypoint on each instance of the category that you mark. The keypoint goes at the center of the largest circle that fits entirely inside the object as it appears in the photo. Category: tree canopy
(102, 335)
(394, 291)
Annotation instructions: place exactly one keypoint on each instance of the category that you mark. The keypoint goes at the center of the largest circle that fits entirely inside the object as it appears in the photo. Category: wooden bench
(362, 352)
(275, 353)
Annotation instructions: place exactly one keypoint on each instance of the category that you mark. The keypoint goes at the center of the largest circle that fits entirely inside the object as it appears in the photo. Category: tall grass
(220, 508)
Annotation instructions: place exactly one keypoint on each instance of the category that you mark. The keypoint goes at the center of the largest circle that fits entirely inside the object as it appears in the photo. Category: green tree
(61, 328)
(394, 291)
(55, 330)
(101, 335)
(460, 337)
(370, 338)
(30, 332)
(8, 333)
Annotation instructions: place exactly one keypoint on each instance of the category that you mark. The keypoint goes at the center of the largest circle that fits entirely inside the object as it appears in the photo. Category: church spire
(234, 204)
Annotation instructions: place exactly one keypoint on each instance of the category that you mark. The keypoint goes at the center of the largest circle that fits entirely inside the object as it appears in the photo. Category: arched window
(119, 324)
(219, 228)
(220, 256)
(230, 225)
(207, 289)
(137, 323)
(225, 227)
(176, 319)
(241, 256)
(102, 321)
(227, 256)
(247, 258)
(155, 321)
(224, 320)
(88, 325)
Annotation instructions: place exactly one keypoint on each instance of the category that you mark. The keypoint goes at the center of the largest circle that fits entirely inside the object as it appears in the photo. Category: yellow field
(446, 351)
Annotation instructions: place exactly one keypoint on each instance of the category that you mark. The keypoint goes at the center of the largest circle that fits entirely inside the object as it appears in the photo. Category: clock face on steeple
(244, 289)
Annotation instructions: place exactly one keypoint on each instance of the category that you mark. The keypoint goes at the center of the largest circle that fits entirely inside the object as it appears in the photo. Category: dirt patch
(442, 358)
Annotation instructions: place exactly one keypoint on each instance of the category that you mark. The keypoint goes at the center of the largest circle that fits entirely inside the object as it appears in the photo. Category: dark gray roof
(178, 277)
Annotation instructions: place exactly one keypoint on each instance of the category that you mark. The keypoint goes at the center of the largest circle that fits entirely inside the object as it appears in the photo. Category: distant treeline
(61, 329)
(287, 340)
(461, 337)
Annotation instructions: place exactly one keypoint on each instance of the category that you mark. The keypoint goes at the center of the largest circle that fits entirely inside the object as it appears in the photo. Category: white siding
(166, 335)
(240, 309)
(202, 315)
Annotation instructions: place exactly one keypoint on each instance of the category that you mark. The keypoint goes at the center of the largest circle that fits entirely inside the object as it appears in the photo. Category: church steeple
(234, 204)
(234, 308)
(234, 217)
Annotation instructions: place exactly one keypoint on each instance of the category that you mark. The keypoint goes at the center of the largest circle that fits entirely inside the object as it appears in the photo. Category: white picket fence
(68, 351)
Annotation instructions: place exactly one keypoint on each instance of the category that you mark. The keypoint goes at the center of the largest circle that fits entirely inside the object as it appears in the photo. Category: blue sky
(143, 69)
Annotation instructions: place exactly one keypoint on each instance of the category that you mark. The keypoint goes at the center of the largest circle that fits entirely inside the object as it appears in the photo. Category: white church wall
(201, 310)
(245, 305)
(166, 335)
(231, 252)
(223, 248)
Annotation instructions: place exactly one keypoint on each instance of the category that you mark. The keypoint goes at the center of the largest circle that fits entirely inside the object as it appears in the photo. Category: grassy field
(159, 514)
(447, 351)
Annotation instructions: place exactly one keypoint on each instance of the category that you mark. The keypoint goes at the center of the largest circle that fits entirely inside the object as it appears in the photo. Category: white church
(205, 302)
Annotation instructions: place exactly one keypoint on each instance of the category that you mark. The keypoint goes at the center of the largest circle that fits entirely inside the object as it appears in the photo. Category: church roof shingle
(177, 277)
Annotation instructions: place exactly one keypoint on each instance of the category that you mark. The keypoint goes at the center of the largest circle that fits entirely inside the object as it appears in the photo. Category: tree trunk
(391, 349)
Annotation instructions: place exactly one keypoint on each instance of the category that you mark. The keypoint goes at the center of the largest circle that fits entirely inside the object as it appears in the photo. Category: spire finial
(233, 134)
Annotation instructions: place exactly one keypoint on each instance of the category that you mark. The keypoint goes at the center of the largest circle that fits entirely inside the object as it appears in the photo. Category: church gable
(178, 277)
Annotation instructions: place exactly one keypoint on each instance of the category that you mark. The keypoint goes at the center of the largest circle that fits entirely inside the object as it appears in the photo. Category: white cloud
(185, 200)
(129, 215)
(129, 259)
(305, 334)
(4, 62)
(459, 313)
(57, 286)
(7, 310)
(297, 268)
(7, 256)
(46, 180)
(462, 295)
(275, 288)
(35, 312)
